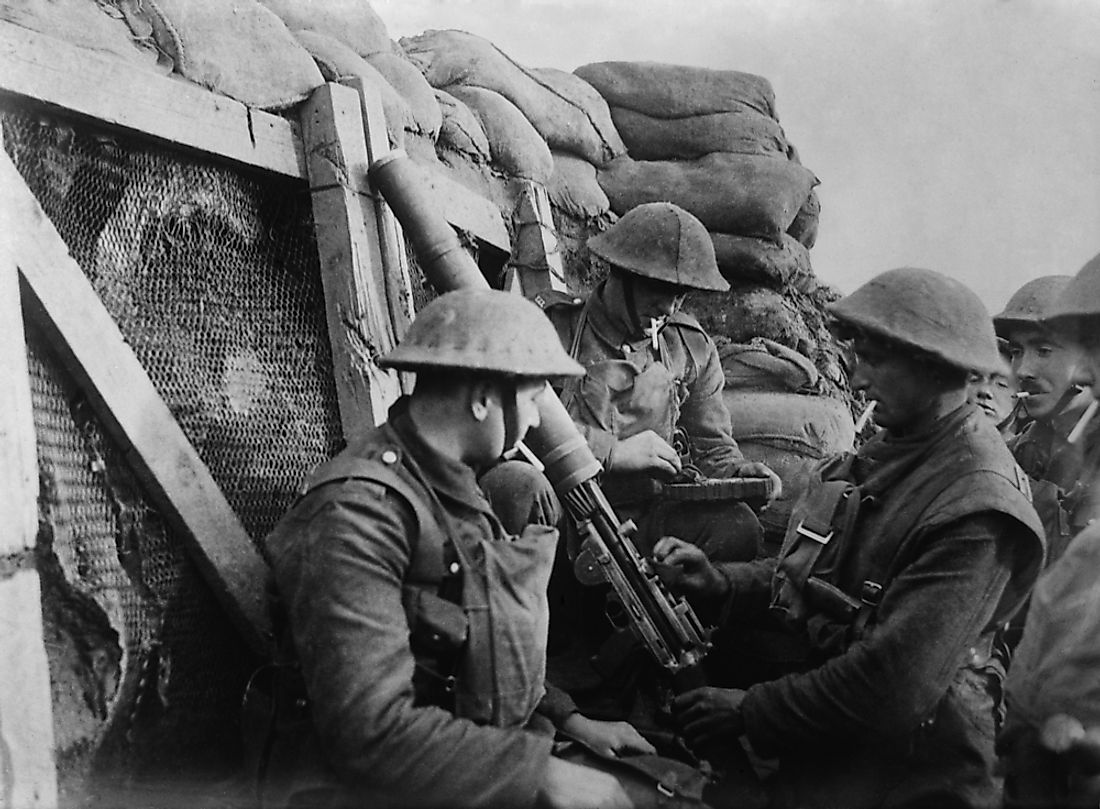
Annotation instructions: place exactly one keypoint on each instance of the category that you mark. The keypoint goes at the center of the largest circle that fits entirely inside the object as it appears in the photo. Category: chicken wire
(212, 277)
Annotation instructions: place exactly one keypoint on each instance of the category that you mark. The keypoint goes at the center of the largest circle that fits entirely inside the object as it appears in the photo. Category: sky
(958, 135)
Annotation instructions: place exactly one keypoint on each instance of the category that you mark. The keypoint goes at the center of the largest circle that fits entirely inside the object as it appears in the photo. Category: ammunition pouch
(438, 631)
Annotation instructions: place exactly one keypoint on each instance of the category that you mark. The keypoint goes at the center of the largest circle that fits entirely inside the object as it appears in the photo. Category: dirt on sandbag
(573, 187)
(460, 130)
(677, 91)
(648, 137)
(747, 259)
(352, 22)
(567, 114)
(337, 61)
(748, 195)
(804, 226)
(410, 84)
(516, 147)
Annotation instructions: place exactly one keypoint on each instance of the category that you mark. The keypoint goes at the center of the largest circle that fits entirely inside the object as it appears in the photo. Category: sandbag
(460, 129)
(87, 25)
(352, 22)
(790, 433)
(568, 116)
(410, 84)
(648, 137)
(516, 148)
(753, 311)
(241, 50)
(804, 225)
(337, 61)
(747, 195)
(677, 91)
(765, 365)
(573, 187)
(747, 258)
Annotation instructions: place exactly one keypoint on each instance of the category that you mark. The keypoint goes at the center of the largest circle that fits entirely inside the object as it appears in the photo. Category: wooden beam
(115, 92)
(536, 263)
(132, 412)
(391, 239)
(470, 212)
(26, 704)
(352, 271)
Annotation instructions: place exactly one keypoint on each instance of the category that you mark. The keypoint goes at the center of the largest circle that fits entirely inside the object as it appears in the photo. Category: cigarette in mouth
(865, 417)
(1083, 422)
(1023, 394)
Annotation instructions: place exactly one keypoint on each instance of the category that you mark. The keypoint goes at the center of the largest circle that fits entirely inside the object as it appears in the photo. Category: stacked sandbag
(780, 417)
(568, 114)
(710, 141)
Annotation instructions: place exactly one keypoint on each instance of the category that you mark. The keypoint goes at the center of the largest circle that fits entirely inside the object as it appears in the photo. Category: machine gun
(666, 624)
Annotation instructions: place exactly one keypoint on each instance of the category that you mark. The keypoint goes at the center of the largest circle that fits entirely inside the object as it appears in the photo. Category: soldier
(417, 623)
(1051, 741)
(1044, 364)
(898, 566)
(654, 379)
(995, 393)
(652, 372)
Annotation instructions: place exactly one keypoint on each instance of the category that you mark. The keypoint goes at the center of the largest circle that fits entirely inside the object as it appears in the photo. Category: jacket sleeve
(704, 414)
(883, 686)
(352, 637)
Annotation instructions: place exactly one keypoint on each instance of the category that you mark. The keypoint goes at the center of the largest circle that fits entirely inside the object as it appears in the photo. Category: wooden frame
(55, 72)
(26, 710)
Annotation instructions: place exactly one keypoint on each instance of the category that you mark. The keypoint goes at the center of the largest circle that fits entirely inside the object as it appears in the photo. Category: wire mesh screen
(212, 277)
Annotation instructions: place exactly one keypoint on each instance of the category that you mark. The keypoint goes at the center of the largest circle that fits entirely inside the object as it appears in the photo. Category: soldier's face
(992, 393)
(1045, 367)
(896, 381)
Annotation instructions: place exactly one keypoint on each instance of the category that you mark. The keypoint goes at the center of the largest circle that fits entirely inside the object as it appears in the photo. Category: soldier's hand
(755, 469)
(607, 738)
(645, 452)
(686, 569)
(566, 785)
(707, 714)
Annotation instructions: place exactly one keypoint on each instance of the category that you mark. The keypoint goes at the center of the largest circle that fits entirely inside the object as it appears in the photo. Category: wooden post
(132, 412)
(536, 263)
(27, 777)
(352, 269)
(390, 236)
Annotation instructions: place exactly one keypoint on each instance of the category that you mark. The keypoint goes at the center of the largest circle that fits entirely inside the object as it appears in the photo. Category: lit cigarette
(525, 451)
(1023, 394)
(865, 417)
(654, 328)
(1083, 422)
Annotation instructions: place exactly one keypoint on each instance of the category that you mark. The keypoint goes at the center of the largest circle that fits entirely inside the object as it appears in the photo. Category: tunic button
(389, 456)
(455, 567)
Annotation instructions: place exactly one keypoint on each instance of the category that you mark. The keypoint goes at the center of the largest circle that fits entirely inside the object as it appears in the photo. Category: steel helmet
(662, 241)
(927, 311)
(483, 330)
(1029, 304)
(1080, 299)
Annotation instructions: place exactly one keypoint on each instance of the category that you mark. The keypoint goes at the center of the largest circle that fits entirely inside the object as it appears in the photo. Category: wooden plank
(395, 262)
(133, 413)
(537, 262)
(470, 212)
(26, 706)
(352, 271)
(116, 92)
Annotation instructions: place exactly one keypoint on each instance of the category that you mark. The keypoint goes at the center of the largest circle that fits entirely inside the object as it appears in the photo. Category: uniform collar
(450, 478)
